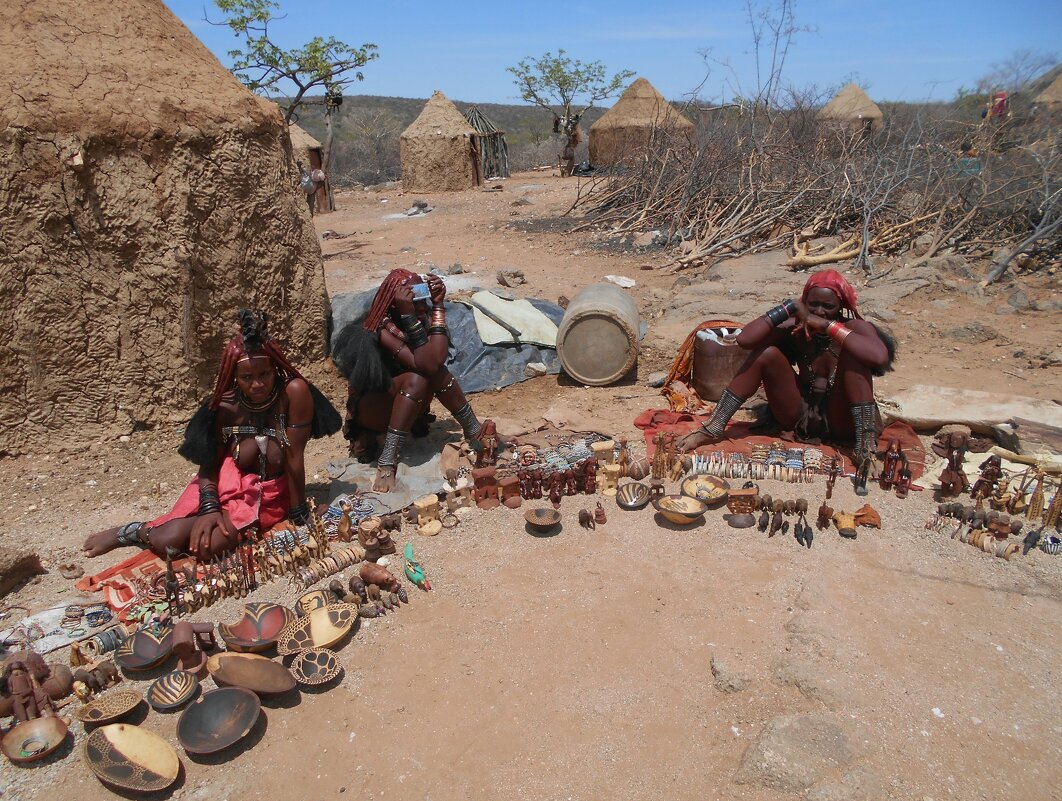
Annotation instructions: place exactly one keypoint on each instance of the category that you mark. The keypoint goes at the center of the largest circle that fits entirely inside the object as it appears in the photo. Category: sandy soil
(580, 666)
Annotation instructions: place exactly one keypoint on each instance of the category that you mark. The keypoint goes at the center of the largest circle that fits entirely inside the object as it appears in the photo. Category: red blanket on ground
(740, 440)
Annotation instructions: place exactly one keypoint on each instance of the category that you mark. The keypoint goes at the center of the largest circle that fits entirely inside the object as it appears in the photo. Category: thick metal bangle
(838, 332)
(407, 321)
(782, 312)
(209, 508)
(438, 329)
(300, 514)
(416, 337)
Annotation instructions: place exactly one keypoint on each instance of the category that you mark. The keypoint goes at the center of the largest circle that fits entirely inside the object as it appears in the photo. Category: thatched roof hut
(1051, 96)
(852, 109)
(624, 131)
(310, 153)
(437, 150)
(493, 152)
(138, 217)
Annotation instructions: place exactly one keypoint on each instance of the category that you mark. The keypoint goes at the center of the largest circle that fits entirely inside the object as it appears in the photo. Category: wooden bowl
(109, 707)
(258, 629)
(131, 757)
(680, 509)
(172, 690)
(632, 495)
(252, 672)
(145, 649)
(709, 490)
(322, 628)
(316, 666)
(217, 720)
(33, 739)
(542, 519)
(314, 599)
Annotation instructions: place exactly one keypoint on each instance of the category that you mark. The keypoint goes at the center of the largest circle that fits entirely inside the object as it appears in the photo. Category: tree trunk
(326, 158)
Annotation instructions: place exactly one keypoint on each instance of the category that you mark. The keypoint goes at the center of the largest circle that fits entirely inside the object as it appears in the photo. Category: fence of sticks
(493, 152)
(754, 181)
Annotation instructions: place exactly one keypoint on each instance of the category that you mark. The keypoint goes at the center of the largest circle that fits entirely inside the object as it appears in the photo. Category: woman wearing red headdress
(395, 364)
(836, 353)
(248, 440)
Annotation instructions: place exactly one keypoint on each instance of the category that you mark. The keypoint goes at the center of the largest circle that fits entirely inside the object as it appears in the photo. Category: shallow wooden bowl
(709, 490)
(172, 690)
(109, 707)
(145, 649)
(33, 739)
(258, 629)
(314, 599)
(542, 519)
(632, 495)
(316, 666)
(680, 509)
(131, 757)
(217, 720)
(250, 671)
(322, 628)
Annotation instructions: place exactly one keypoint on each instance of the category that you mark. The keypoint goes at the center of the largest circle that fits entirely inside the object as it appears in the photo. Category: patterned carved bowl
(131, 758)
(542, 519)
(632, 495)
(316, 666)
(217, 720)
(321, 628)
(33, 739)
(709, 490)
(250, 671)
(145, 649)
(172, 690)
(109, 707)
(309, 601)
(680, 509)
(258, 629)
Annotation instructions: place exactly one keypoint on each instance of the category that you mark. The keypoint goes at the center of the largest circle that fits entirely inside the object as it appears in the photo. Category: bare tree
(1017, 71)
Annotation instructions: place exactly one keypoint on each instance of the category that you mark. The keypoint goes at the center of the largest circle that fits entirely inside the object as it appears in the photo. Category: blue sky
(901, 49)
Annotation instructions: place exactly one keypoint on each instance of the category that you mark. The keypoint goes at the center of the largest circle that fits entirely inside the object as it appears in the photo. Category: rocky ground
(637, 660)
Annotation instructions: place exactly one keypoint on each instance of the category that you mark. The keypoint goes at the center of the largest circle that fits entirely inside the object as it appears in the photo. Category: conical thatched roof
(440, 118)
(300, 140)
(1051, 96)
(641, 106)
(851, 105)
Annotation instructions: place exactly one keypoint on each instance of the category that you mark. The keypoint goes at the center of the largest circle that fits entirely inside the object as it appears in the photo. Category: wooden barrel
(597, 340)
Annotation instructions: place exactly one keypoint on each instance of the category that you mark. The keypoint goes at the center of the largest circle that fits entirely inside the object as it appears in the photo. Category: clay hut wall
(145, 196)
(624, 131)
(851, 109)
(437, 150)
(310, 152)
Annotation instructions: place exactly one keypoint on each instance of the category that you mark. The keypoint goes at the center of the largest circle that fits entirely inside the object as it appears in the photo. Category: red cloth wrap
(838, 284)
(245, 497)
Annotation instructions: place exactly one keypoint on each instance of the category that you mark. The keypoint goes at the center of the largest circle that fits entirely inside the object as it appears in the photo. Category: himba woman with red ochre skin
(248, 440)
(829, 396)
(395, 364)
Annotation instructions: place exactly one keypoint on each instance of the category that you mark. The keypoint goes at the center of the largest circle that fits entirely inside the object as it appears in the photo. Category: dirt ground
(638, 660)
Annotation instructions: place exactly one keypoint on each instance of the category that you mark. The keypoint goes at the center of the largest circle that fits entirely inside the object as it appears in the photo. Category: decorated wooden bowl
(145, 649)
(258, 628)
(131, 758)
(217, 720)
(109, 707)
(542, 519)
(632, 495)
(172, 690)
(316, 666)
(709, 490)
(33, 739)
(680, 509)
(314, 599)
(252, 672)
(321, 628)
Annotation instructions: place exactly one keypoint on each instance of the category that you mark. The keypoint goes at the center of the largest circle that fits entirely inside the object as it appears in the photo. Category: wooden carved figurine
(604, 451)
(556, 489)
(590, 482)
(832, 472)
(486, 487)
(892, 464)
(28, 698)
(953, 481)
(903, 485)
(1036, 503)
(658, 467)
(609, 479)
(536, 484)
(991, 471)
(586, 520)
(488, 455)
(623, 458)
(569, 482)
(656, 489)
(525, 484)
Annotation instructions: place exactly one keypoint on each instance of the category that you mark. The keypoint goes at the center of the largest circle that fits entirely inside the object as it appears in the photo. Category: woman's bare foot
(101, 542)
(694, 440)
(385, 479)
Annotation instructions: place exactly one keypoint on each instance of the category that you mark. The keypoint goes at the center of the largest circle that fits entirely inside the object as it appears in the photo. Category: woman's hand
(806, 321)
(437, 289)
(403, 301)
(202, 536)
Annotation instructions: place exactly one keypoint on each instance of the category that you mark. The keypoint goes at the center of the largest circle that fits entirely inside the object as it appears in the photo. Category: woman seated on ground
(248, 441)
(836, 353)
(395, 363)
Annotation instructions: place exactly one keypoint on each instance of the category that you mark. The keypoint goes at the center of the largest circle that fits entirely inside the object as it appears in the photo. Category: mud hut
(490, 143)
(1050, 97)
(624, 131)
(438, 150)
(310, 153)
(852, 110)
(138, 215)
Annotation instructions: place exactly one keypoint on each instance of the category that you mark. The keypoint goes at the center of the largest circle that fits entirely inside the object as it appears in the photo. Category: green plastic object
(414, 571)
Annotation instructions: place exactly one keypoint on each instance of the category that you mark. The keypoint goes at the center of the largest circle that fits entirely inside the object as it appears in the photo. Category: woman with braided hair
(248, 440)
(395, 364)
(836, 353)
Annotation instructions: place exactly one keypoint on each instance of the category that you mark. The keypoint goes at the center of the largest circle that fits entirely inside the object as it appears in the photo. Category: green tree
(561, 82)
